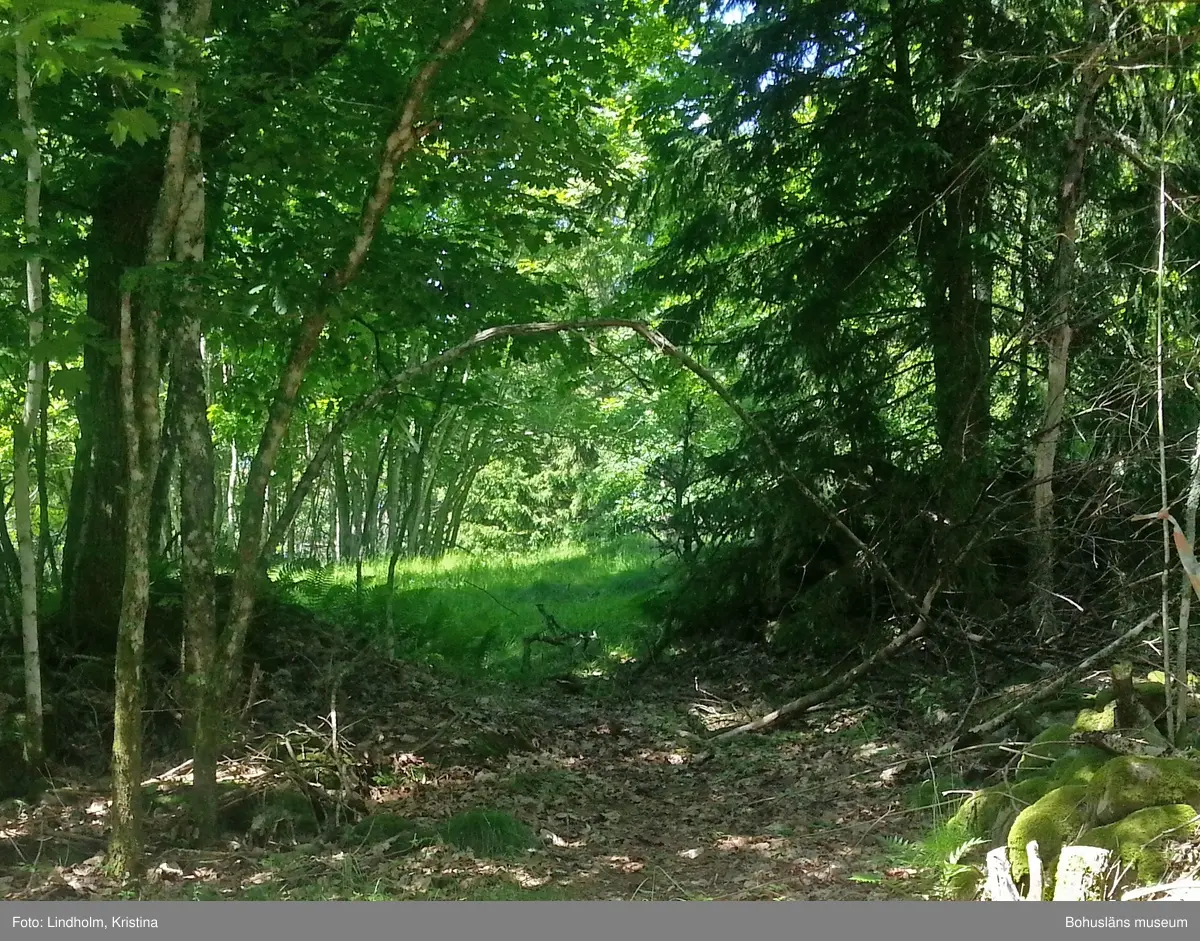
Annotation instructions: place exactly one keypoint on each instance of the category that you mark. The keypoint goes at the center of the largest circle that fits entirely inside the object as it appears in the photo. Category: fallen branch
(1002, 719)
(555, 636)
(1184, 890)
(846, 680)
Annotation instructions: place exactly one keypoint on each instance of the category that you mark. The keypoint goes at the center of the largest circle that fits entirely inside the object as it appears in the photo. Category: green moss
(1079, 765)
(1042, 752)
(1019, 796)
(1053, 820)
(1103, 719)
(978, 814)
(1129, 783)
(1140, 838)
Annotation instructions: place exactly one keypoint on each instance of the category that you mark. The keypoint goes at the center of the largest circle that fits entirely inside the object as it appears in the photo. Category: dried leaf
(1188, 558)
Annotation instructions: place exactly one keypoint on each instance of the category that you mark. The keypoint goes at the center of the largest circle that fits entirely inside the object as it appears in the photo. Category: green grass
(469, 613)
(487, 833)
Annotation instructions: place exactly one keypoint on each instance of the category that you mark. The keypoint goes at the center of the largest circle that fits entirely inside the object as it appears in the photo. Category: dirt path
(609, 781)
(626, 811)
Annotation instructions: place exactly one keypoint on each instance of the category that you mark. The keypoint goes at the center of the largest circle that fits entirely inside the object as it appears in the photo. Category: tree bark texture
(26, 430)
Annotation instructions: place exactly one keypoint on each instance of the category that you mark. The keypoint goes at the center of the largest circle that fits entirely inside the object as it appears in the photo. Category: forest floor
(608, 790)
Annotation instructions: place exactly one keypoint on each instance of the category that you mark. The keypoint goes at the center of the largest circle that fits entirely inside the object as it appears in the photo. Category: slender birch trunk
(1185, 598)
(1045, 454)
(27, 427)
(1164, 485)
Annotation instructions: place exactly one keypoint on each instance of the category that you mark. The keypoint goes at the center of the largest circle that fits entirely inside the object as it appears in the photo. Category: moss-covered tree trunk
(197, 510)
(139, 401)
(141, 346)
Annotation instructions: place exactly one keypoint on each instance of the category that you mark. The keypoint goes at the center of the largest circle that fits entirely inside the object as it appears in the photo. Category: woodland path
(607, 778)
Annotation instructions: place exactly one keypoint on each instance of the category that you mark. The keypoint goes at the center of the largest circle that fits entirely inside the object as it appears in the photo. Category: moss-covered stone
(1018, 796)
(1078, 766)
(285, 813)
(1053, 820)
(1130, 783)
(1141, 838)
(987, 814)
(1044, 750)
(978, 814)
(1101, 719)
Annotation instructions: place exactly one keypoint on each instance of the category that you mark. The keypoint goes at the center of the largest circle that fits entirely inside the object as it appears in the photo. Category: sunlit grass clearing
(471, 611)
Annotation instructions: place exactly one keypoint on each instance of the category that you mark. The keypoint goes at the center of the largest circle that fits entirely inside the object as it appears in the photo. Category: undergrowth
(940, 855)
(470, 613)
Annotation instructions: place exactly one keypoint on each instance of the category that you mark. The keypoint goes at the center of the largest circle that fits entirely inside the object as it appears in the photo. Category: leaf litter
(614, 783)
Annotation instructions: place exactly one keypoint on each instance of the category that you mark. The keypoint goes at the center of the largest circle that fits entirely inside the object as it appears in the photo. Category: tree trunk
(10, 570)
(960, 325)
(395, 460)
(160, 497)
(197, 510)
(345, 529)
(141, 346)
(370, 514)
(76, 497)
(94, 549)
(139, 386)
(47, 563)
(1190, 513)
(1092, 79)
(460, 506)
(389, 609)
(26, 429)
(423, 478)
(461, 468)
(231, 491)
(368, 545)
(415, 484)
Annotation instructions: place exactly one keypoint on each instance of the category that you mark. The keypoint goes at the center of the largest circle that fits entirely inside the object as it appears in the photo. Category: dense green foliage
(922, 270)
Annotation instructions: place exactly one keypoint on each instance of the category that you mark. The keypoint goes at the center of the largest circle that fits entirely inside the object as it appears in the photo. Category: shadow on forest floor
(593, 793)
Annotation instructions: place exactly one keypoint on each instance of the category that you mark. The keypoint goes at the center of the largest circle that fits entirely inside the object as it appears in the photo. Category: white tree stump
(1081, 874)
(999, 886)
(1037, 884)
